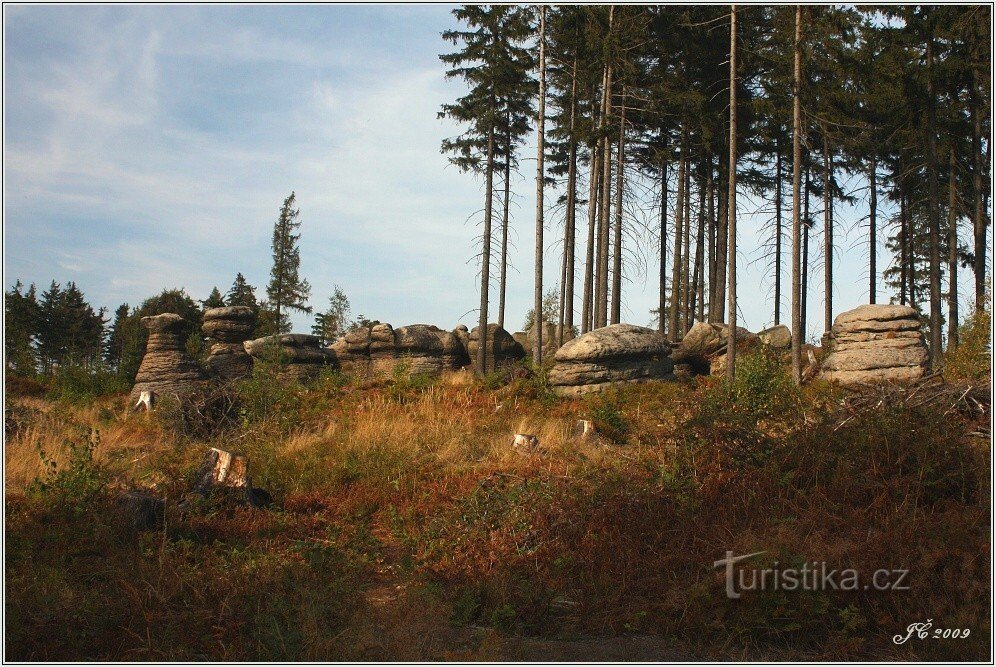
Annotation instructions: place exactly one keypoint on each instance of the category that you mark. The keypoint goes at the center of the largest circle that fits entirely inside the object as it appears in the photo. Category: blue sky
(150, 147)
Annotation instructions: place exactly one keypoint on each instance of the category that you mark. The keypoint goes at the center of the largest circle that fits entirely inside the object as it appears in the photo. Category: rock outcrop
(228, 328)
(778, 337)
(876, 342)
(620, 353)
(299, 356)
(377, 349)
(501, 348)
(703, 349)
(167, 369)
(528, 338)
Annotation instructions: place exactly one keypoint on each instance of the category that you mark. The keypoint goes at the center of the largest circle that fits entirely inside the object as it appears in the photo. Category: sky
(150, 147)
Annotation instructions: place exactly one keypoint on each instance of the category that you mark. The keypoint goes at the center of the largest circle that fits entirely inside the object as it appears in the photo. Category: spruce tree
(287, 290)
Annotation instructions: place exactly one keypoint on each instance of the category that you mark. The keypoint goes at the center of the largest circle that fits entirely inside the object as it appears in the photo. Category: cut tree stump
(585, 428)
(222, 469)
(525, 442)
(145, 400)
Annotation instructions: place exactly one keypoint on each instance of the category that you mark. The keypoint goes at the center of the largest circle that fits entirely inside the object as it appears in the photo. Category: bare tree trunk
(872, 229)
(686, 249)
(486, 255)
(679, 208)
(538, 321)
(979, 221)
(778, 232)
(711, 227)
(934, 222)
(700, 259)
(952, 254)
(731, 348)
(504, 234)
(796, 197)
(586, 301)
(718, 302)
(570, 225)
(827, 235)
(617, 256)
(602, 289)
(806, 226)
(662, 276)
(903, 247)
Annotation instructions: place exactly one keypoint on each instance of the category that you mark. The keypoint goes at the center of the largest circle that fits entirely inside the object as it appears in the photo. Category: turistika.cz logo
(811, 576)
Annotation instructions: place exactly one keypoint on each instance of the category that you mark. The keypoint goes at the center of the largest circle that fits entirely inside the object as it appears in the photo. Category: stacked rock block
(617, 354)
(703, 348)
(228, 328)
(502, 349)
(298, 357)
(876, 342)
(377, 349)
(167, 369)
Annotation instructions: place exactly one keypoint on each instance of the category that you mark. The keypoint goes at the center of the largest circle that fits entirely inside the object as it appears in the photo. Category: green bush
(73, 487)
(972, 359)
(762, 386)
(76, 384)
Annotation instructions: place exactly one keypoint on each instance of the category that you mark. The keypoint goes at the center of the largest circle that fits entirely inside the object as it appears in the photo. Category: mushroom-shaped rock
(229, 327)
(501, 349)
(417, 349)
(167, 369)
(620, 353)
(876, 342)
(299, 356)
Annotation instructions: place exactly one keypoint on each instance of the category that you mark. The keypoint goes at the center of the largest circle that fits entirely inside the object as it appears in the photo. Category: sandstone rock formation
(167, 370)
(229, 328)
(615, 354)
(876, 342)
(703, 349)
(778, 337)
(377, 349)
(550, 347)
(300, 357)
(501, 349)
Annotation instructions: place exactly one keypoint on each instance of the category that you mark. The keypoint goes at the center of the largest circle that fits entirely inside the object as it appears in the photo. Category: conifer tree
(287, 290)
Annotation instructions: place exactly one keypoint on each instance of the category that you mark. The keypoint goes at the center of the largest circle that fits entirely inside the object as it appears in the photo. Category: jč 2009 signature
(923, 631)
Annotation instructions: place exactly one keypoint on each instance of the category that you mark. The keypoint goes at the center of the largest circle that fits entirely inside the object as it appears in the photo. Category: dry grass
(407, 527)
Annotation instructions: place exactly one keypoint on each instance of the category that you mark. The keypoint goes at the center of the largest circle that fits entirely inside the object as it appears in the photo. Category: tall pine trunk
(679, 209)
(717, 304)
(662, 276)
(952, 254)
(979, 217)
(700, 258)
(538, 322)
(711, 235)
(778, 232)
(796, 200)
(570, 223)
(933, 214)
(872, 229)
(504, 233)
(482, 320)
(807, 224)
(686, 249)
(602, 286)
(617, 245)
(731, 348)
(903, 248)
(827, 235)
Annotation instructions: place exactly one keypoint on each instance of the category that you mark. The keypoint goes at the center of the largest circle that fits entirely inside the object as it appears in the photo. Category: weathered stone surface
(501, 349)
(229, 328)
(167, 370)
(615, 354)
(874, 343)
(550, 346)
(706, 341)
(778, 337)
(300, 357)
(377, 349)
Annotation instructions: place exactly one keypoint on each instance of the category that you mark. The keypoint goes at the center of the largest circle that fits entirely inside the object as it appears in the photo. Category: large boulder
(616, 354)
(501, 349)
(778, 337)
(703, 348)
(167, 369)
(228, 328)
(876, 342)
(377, 349)
(297, 356)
